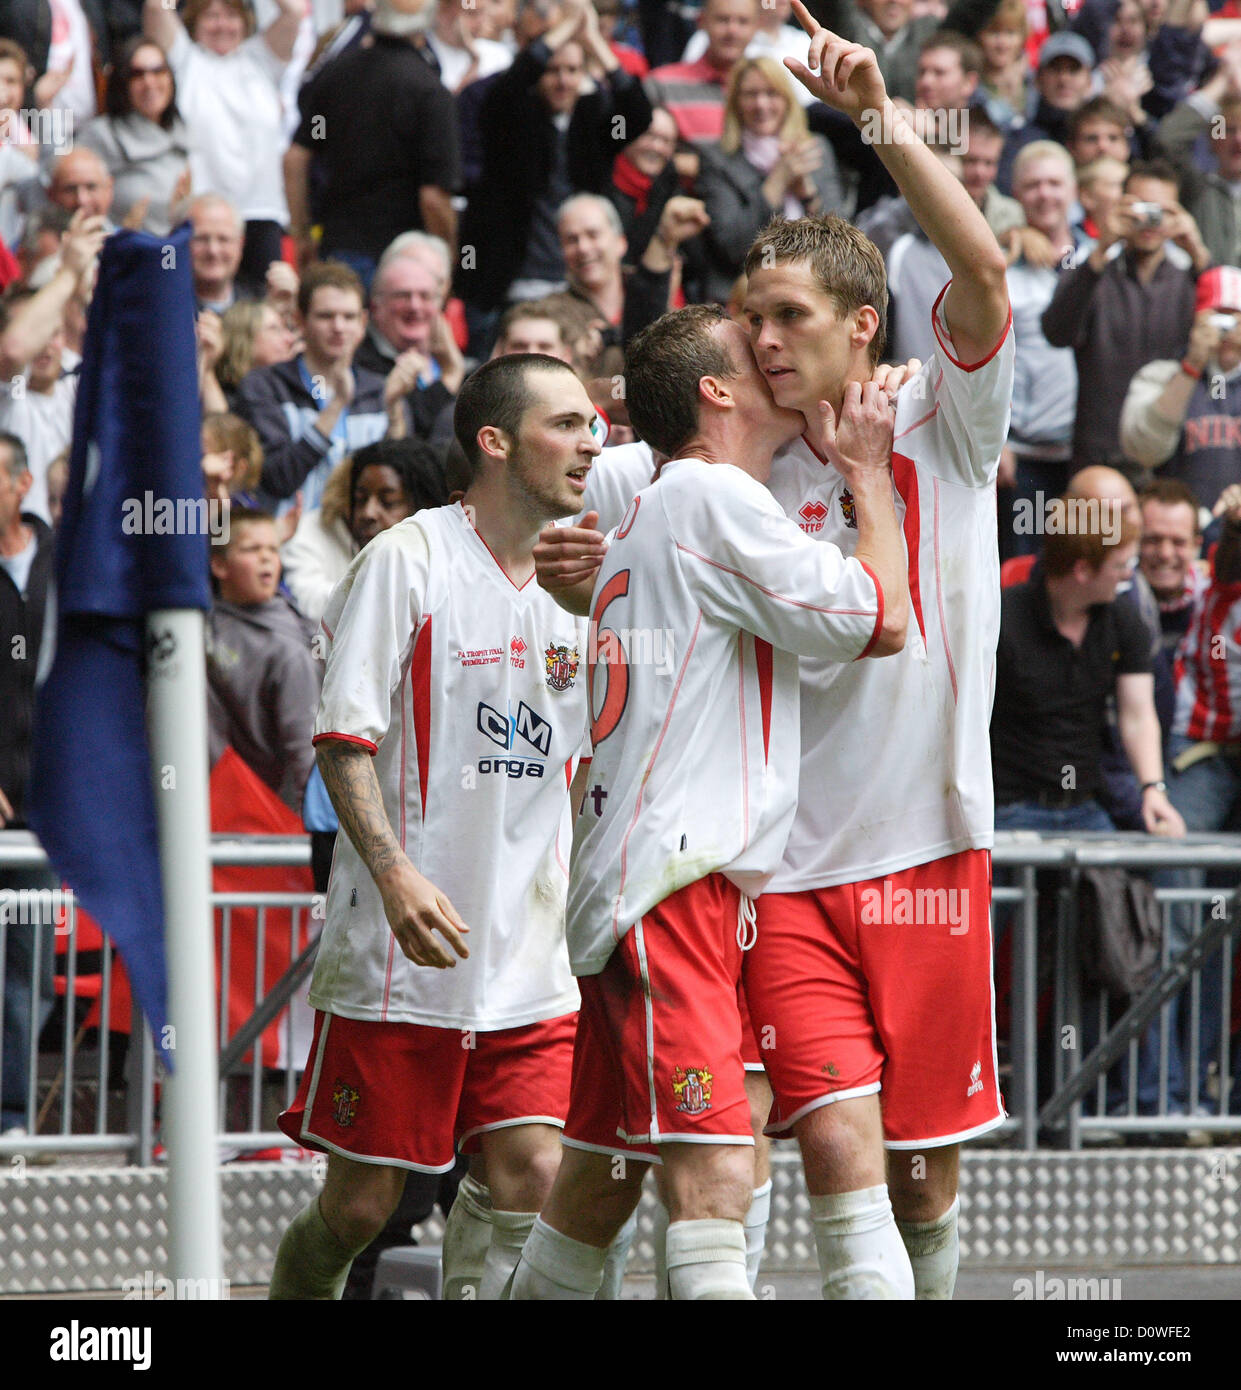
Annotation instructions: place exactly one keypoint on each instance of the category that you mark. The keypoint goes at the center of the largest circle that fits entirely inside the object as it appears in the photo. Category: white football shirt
(896, 754)
(704, 597)
(471, 694)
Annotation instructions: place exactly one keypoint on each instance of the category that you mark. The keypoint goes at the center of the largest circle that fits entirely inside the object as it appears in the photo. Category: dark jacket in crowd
(1115, 324)
(21, 618)
(426, 403)
(518, 137)
(263, 690)
(732, 189)
(269, 397)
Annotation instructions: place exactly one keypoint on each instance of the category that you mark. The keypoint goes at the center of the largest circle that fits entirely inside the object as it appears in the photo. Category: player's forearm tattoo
(349, 776)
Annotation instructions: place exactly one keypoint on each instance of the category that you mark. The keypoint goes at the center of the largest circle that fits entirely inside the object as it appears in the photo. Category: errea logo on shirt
(813, 515)
(516, 653)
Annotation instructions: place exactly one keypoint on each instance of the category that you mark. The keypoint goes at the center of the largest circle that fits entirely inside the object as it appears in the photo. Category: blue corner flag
(125, 548)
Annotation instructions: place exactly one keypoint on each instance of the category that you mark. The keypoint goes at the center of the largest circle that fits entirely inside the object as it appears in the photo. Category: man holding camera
(1122, 308)
(1182, 414)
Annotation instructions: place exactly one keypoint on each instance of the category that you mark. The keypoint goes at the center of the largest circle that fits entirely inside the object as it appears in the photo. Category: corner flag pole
(177, 725)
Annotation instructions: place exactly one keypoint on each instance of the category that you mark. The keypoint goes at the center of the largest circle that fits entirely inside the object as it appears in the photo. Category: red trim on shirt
(905, 476)
(972, 367)
(488, 549)
(874, 637)
(763, 658)
(347, 738)
(420, 689)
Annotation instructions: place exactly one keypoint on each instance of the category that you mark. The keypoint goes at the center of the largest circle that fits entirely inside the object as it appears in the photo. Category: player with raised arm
(873, 960)
(452, 715)
(695, 756)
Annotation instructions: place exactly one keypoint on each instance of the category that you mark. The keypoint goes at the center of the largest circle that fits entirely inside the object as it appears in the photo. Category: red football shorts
(659, 1052)
(883, 985)
(409, 1096)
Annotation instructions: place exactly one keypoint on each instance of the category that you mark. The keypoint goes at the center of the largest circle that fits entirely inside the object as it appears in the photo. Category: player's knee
(358, 1208)
(708, 1181)
(521, 1181)
(922, 1185)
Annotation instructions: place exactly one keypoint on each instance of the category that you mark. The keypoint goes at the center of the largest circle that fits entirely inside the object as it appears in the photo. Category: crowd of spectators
(385, 193)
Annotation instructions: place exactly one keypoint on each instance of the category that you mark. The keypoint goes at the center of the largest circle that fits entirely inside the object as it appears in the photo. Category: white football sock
(311, 1263)
(934, 1251)
(706, 1260)
(660, 1236)
(861, 1254)
(467, 1238)
(756, 1230)
(614, 1266)
(509, 1230)
(554, 1266)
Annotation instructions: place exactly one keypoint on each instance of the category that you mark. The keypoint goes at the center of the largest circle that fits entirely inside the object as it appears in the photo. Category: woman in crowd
(228, 92)
(251, 334)
(644, 177)
(142, 139)
(1006, 73)
(766, 164)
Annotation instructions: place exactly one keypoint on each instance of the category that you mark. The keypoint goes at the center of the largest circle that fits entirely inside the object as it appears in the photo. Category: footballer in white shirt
(452, 716)
(695, 739)
(873, 959)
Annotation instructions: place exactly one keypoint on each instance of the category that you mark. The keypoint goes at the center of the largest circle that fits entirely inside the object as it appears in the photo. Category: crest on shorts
(344, 1103)
(561, 665)
(849, 509)
(692, 1088)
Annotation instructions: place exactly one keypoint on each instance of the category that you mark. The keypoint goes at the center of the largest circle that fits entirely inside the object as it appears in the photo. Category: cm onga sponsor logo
(514, 733)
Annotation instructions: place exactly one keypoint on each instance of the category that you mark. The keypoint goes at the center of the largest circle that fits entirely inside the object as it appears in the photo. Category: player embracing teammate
(870, 971)
(872, 964)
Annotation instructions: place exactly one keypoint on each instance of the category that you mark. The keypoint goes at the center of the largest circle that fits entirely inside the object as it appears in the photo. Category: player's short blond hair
(844, 261)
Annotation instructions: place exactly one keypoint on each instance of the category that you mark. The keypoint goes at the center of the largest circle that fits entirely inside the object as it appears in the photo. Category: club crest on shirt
(692, 1088)
(516, 653)
(849, 509)
(561, 665)
(813, 515)
(344, 1103)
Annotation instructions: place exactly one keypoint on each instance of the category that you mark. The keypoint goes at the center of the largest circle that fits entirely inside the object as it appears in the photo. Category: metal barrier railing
(83, 1100)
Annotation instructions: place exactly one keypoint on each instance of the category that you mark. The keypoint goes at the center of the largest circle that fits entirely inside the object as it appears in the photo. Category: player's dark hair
(414, 461)
(498, 394)
(663, 366)
(845, 262)
(1171, 492)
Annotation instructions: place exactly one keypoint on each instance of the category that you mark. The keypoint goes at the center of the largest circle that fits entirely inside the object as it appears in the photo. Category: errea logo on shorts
(975, 1080)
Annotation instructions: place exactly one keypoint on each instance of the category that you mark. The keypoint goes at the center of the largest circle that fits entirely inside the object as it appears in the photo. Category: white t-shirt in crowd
(705, 596)
(471, 694)
(44, 423)
(896, 754)
(232, 108)
(70, 41)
